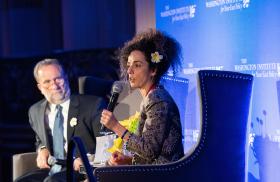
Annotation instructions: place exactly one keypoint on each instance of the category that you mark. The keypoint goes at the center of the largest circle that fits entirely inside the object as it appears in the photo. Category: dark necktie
(58, 139)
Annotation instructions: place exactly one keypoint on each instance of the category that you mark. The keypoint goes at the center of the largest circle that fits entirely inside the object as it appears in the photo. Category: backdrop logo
(246, 3)
(191, 70)
(228, 5)
(178, 14)
(265, 70)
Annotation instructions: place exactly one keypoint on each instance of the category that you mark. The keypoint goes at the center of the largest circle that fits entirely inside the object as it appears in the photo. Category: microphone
(52, 161)
(116, 90)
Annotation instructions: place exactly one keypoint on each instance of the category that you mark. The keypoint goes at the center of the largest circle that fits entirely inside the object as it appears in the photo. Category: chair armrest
(23, 163)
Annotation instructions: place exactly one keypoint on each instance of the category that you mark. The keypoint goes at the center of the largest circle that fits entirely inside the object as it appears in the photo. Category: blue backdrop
(235, 35)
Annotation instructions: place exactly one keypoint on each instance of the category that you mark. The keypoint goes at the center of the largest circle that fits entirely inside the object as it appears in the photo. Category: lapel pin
(73, 122)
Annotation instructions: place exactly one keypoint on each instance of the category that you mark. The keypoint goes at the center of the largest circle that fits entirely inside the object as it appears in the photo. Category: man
(57, 118)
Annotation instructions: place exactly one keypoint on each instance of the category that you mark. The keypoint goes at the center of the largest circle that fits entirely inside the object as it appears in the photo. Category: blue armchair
(219, 154)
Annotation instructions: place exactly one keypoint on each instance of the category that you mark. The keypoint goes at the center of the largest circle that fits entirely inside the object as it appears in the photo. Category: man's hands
(77, 163)
(42, 158)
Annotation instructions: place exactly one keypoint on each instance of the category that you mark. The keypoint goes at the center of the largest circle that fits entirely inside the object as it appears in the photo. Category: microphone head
(117, 87)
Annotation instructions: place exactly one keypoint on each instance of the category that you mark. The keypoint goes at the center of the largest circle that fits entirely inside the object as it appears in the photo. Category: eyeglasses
(48, 83)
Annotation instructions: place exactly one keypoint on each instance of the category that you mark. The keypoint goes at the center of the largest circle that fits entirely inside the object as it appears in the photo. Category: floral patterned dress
(159, 136)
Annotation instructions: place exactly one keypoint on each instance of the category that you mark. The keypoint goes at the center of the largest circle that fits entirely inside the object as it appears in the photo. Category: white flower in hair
(156, 57)
(73, 122)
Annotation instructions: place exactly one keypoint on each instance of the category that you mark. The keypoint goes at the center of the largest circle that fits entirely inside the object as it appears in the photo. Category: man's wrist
(41, 148)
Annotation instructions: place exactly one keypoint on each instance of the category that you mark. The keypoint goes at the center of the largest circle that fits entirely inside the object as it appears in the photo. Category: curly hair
(150, 42)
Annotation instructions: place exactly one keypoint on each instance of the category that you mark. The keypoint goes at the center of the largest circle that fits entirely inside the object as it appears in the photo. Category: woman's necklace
(151, 88)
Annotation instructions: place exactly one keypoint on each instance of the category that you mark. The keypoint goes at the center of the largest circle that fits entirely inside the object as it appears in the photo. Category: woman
(144, 60)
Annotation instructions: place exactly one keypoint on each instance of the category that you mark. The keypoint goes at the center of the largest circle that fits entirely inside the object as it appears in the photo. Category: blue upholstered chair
(220, 152)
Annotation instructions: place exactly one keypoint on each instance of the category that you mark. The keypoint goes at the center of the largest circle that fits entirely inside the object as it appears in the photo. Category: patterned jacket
(159, 137)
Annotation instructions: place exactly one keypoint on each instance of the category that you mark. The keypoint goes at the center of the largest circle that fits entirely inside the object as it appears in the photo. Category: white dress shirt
(50, 117)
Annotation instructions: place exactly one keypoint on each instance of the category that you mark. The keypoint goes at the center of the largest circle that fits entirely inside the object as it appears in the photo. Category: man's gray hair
(46, 62)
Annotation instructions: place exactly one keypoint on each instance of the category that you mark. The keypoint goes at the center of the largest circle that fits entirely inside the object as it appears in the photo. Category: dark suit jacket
(87, 110)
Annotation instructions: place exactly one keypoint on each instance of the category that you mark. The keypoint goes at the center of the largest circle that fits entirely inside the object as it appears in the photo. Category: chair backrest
(220, 152)
(90, 85)
(128, 101)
